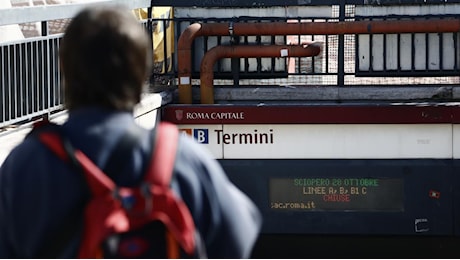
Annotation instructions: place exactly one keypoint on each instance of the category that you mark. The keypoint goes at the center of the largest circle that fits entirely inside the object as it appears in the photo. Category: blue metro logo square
(201, 135)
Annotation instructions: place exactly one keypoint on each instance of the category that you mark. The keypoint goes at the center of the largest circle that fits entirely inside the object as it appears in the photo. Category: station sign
(315, 132)
(317, 141)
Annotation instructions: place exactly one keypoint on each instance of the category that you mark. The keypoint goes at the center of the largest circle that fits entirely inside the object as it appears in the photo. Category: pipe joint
(230, 29)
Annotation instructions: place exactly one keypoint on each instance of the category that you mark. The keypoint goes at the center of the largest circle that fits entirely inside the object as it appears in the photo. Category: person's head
(105, 58)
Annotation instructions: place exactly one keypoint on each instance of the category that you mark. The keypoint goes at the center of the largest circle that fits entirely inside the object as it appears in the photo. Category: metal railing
(29, 79)
(346, 60)
(30, 76)
(407, 62)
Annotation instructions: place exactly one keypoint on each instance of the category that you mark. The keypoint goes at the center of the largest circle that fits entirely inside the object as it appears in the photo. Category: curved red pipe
(281, 28)
(245, 51)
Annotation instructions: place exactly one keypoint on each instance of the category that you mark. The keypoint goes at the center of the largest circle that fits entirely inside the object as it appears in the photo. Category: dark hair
(105, 57)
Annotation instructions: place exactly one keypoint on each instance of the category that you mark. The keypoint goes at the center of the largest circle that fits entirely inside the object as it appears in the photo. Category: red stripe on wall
(312, 114)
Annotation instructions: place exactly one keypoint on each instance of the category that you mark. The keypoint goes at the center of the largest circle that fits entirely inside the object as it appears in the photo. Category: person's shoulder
(194, 160)
(192, 149)
(25, 153)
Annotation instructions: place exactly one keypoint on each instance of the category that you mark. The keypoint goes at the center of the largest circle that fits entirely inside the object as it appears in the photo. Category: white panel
(458, 49)
(293, 11)
(226, 64)
(252, 64)
(392, 52)
(448, 58)
(309, 11)
(212, 41)
(420, 51)
(369, 10)
(280, 39)
(363, 51)
(456, 141)
(405, 52)
(421, 63)
(280, 64)
(342, 141)
(242, 64)
(265, 64)
(433, 51)
(377, 52)
(267, 39)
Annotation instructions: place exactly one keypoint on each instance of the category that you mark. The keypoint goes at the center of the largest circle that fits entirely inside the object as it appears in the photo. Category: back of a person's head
(105, 58)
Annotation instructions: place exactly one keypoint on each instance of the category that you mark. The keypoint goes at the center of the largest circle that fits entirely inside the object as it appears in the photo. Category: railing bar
(441, 42)
(326, 53)
(298, 60)
(8, 85)
(384, 51)
(15, 83)
(427, 52)
(42, 74)
(398, 52)
(165, 45)
(3, 82)
(58, 72)
(371, 56)
(412, 52)
(31, 76)
(36, 78)
(456, 51)
(17, 76)
(47, 72)
(53, 71)
(27, 76)
(21, 79)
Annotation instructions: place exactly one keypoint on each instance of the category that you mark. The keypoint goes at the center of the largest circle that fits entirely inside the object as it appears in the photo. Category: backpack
(119, 221)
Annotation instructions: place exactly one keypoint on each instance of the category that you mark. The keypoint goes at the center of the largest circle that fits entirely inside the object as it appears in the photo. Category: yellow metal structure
(163, 43)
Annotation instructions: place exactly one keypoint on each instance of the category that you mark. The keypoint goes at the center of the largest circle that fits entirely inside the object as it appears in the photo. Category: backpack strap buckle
(135, 201)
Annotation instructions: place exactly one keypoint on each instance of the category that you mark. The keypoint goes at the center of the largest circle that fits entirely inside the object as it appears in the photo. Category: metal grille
(337, 64)
(30, 79)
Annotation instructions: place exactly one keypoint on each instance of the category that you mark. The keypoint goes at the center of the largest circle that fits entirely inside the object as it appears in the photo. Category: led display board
(343, 194)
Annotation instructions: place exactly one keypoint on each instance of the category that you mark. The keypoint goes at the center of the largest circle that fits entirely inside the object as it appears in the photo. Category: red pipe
(281, 28)
(245, 51)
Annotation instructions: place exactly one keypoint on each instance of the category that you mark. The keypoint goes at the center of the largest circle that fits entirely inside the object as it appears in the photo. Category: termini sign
(318, 132)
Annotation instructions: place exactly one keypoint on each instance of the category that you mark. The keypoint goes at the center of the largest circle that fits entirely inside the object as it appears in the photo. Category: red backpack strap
(164, 152)
(170, 209)
(104, 213)
(98, 182)
(103, 210)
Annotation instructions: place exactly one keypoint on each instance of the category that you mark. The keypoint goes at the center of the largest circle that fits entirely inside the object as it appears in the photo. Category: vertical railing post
(150, 32)
(46, 73)
(341, 48)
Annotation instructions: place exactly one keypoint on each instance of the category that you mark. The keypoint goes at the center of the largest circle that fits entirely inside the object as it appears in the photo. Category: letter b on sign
(201, 135)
